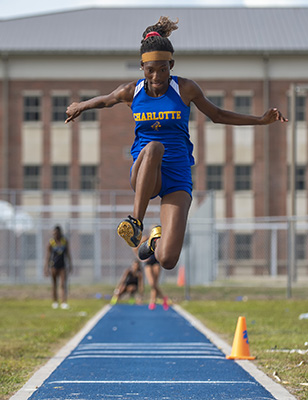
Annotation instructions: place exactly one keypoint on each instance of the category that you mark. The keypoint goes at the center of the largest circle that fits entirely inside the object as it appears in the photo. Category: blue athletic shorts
(174, 179)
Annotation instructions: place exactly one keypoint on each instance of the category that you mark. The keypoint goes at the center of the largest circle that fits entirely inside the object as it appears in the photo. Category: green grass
(272, 325)
(31, 331)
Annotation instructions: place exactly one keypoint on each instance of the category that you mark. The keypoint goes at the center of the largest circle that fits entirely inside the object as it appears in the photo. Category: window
(88, 115)
(214, 177)
(218, 100)
(86, 246)
(300, 177)
(193, 113)
(242, 177)
(300, 246)
(243, 246)
(300, 108)
(193, 174)
(242, 104)
(29, 246)
(88, 177)
(32, 108)
(223, 239)
(126, 153)
(300, 183)
(60, 177)
(32, 177)
(59, 106)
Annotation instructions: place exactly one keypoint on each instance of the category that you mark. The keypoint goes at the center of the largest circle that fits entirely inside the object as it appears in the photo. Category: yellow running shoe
(147, 248)
(130, 229)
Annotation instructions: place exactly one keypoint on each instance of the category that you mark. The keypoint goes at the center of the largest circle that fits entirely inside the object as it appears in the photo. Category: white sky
(16, 8)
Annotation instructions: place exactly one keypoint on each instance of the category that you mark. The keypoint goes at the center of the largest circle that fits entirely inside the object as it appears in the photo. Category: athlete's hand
(273, 115)
(73, 111)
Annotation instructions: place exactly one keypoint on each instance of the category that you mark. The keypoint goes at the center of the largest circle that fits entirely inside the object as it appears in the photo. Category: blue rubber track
(135, 353)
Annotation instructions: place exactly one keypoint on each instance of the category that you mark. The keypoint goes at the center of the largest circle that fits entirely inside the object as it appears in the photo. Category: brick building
(244, 59)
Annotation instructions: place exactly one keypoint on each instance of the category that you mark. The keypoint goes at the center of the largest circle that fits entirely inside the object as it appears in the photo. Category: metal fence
(213, 249)
(89, 220)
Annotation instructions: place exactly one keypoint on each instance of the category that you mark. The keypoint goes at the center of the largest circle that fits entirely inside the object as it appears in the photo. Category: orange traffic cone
(240, 347)
(181, 276)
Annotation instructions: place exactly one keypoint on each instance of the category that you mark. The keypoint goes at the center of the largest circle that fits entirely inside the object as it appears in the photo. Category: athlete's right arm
(122, 94)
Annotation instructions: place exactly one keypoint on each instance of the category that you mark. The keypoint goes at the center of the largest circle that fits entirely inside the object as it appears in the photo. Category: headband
(153, 33)
(156, 56)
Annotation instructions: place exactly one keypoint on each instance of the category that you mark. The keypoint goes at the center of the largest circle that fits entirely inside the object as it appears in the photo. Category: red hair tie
(151, 34)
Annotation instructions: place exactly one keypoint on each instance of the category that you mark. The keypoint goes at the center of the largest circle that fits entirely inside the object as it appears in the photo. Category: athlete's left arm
(191, 92)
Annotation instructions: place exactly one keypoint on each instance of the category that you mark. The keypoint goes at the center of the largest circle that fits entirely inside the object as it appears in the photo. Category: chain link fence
(213, 249)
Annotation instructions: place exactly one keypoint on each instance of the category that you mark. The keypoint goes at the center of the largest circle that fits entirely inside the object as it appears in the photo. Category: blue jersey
(163, 119)
(58, 252)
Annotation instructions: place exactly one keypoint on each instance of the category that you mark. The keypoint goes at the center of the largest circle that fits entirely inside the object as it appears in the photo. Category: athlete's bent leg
(146, 182)
(173, 216)
(146, 177)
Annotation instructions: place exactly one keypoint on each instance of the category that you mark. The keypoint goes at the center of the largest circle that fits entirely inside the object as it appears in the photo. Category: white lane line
(43, 373)
(136, 356)
(157, 382)
(144, 352)
(145, 344)
(277, 390)
(146, 348)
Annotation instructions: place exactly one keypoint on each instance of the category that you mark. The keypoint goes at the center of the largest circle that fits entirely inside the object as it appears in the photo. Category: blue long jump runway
(135, 353)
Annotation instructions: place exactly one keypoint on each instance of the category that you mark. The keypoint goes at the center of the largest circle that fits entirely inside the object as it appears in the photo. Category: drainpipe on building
(292, 221)
(266, 95)
(5, 119)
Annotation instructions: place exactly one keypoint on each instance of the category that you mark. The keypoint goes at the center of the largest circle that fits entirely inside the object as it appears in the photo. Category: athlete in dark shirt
(58, 264)
(131, 283)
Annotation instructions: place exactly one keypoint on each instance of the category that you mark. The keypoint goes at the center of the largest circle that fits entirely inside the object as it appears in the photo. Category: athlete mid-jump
(162, 151)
